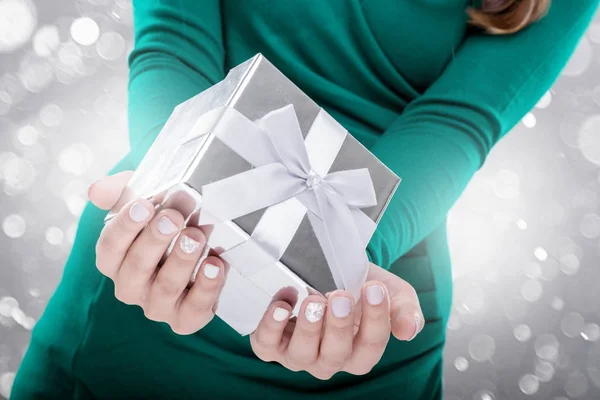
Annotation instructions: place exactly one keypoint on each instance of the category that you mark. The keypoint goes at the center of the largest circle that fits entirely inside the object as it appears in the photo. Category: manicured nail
(375, 294)
(138, 212)
(280, 314)
(341, 306)
(188, 245)
(166, 226)
(417, 326)
(211, 271)
(314, 311)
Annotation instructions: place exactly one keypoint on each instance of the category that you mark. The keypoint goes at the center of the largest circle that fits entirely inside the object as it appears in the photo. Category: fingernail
(166, 226)
(375, 294)
(188, 245)
(314, 311)
(138, 212)
(341, 306)
(417, 326)
(211, 271)
(280, 314)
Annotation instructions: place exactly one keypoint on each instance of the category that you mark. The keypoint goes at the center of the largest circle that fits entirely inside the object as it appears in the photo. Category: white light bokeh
(17, 22)
(589, 139)
(28, 135)
(529, 384)
(85, 31)
(51, 115)
(46, 40)
(529, 120)
(540, 253)
(110, 46)
(572, 324)
(522, 333)
(6, 383)
(461, 364)
(544, 371)
(546, 347)
(14, 226)
(580, 60)
(531, 290)
(482, 348)
(545, 101)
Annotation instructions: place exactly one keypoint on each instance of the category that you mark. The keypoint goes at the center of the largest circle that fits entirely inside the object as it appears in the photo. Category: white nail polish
(138, 212)
(188, 245)
(314, 311)
(210, 271)
(280, 314)
(166, 226)
(375, 294)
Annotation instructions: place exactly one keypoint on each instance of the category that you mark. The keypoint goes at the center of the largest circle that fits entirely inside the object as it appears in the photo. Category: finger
(196, 307)
(266, 340)
(105, 192)
(374, 330)
(133, 278)
(173, 276)
(118, 235)
(181, 201)
(406, 314)
(303, 348)
(336, 346)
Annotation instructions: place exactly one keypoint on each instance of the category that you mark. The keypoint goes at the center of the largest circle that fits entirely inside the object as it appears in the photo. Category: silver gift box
(186, 156)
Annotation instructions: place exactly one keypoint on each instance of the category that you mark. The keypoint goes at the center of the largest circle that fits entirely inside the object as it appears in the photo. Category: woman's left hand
(333, 334)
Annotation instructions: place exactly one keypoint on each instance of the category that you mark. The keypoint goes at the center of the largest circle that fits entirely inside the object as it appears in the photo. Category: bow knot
(313, 179)
(289, 167)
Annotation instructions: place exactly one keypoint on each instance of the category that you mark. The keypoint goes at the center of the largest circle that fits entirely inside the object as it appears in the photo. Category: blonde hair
(502, 17)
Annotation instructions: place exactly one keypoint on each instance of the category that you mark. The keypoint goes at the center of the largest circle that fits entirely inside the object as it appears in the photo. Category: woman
(426, 86)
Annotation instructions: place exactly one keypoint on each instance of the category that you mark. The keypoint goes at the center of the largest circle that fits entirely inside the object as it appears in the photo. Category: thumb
(406, 316)
(105, 192)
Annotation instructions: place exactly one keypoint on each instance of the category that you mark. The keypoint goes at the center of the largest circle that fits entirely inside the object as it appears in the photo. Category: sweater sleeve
(443, 137)
(178, 53)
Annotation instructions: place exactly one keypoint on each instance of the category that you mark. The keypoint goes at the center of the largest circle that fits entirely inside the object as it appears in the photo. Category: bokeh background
(525, 235)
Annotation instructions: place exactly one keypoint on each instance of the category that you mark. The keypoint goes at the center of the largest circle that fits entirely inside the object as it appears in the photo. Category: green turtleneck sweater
(426, 94)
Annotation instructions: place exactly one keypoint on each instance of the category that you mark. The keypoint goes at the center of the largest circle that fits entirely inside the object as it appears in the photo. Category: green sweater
(426, 94)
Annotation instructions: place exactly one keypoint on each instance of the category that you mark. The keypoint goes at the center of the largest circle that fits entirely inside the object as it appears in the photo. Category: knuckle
(340, 332)
(335, 361)
(103, 265)
(299, 362)
(120, 225)
(361, 369)
(264, 345)
(167, 286)
(181, 328)
(125, 296)
(106, 243)
(154, 314)
(261, 350)
(323, 375)
(373, 345)
(378, 314)
(306, 332)
(411, 292)
(201, 305)
(134, 259)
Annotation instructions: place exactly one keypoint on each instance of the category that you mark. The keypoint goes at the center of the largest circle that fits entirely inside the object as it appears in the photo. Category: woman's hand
(332, 334)
(131, 246)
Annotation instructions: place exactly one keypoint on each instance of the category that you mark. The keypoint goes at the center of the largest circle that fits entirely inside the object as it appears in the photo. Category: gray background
(525, 235)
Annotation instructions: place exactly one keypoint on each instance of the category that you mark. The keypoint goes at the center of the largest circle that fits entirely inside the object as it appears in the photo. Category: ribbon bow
(289, 171)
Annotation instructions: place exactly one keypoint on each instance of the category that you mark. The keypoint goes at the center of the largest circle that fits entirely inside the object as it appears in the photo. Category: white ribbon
(291, 177)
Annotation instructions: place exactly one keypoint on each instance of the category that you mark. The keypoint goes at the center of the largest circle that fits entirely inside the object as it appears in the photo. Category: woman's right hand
(131, 246)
